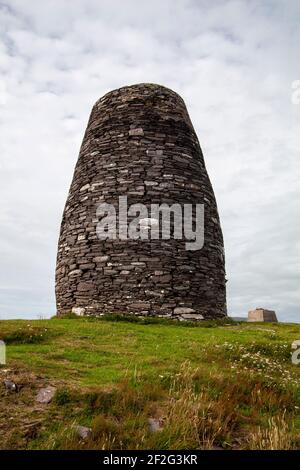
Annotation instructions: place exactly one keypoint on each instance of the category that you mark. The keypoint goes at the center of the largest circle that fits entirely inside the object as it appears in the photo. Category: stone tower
(140, 143)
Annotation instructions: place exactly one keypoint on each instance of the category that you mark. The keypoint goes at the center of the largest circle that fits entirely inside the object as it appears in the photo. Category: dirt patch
(21, 417)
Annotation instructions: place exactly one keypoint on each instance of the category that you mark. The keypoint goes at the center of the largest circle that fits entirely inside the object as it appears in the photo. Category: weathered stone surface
(78, 311)
(155, 424)
(139, 306)
(262, 314)
(75, 272)
(84, 432)
(135, 132)
(101, 259)
(46, 394)
(84, 286)
(192, 316)
(183, 310)
(139, 143)
(10, 385)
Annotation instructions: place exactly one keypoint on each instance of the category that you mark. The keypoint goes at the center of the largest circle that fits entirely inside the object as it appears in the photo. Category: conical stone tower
(141, 145)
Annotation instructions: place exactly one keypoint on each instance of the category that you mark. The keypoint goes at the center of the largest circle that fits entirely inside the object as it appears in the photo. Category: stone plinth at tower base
(261, 314)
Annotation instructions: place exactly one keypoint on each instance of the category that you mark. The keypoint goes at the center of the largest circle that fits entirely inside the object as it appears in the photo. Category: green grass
(114, 373)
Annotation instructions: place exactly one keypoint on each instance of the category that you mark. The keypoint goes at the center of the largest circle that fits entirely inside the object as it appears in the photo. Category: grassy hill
(216, 385)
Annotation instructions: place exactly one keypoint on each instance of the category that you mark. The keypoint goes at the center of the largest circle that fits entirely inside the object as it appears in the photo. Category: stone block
(262, 315)
(136, 132)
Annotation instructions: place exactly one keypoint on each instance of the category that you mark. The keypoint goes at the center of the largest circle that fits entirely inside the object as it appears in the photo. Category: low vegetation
(150, 384)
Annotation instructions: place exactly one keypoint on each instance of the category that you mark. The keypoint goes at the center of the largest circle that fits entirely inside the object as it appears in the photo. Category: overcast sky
(233, 62)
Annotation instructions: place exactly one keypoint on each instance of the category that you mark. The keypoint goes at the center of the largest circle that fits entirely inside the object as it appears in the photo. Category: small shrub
(62, 397)
(100, 402)
(102, 427)
(26, 335)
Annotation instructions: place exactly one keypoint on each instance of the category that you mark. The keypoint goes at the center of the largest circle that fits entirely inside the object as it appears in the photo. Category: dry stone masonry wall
(139, 143)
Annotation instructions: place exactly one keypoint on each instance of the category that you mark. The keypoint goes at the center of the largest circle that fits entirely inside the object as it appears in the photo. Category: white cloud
(232, 61)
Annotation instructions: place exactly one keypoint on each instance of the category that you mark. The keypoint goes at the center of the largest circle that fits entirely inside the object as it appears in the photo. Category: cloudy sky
(234, 63)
